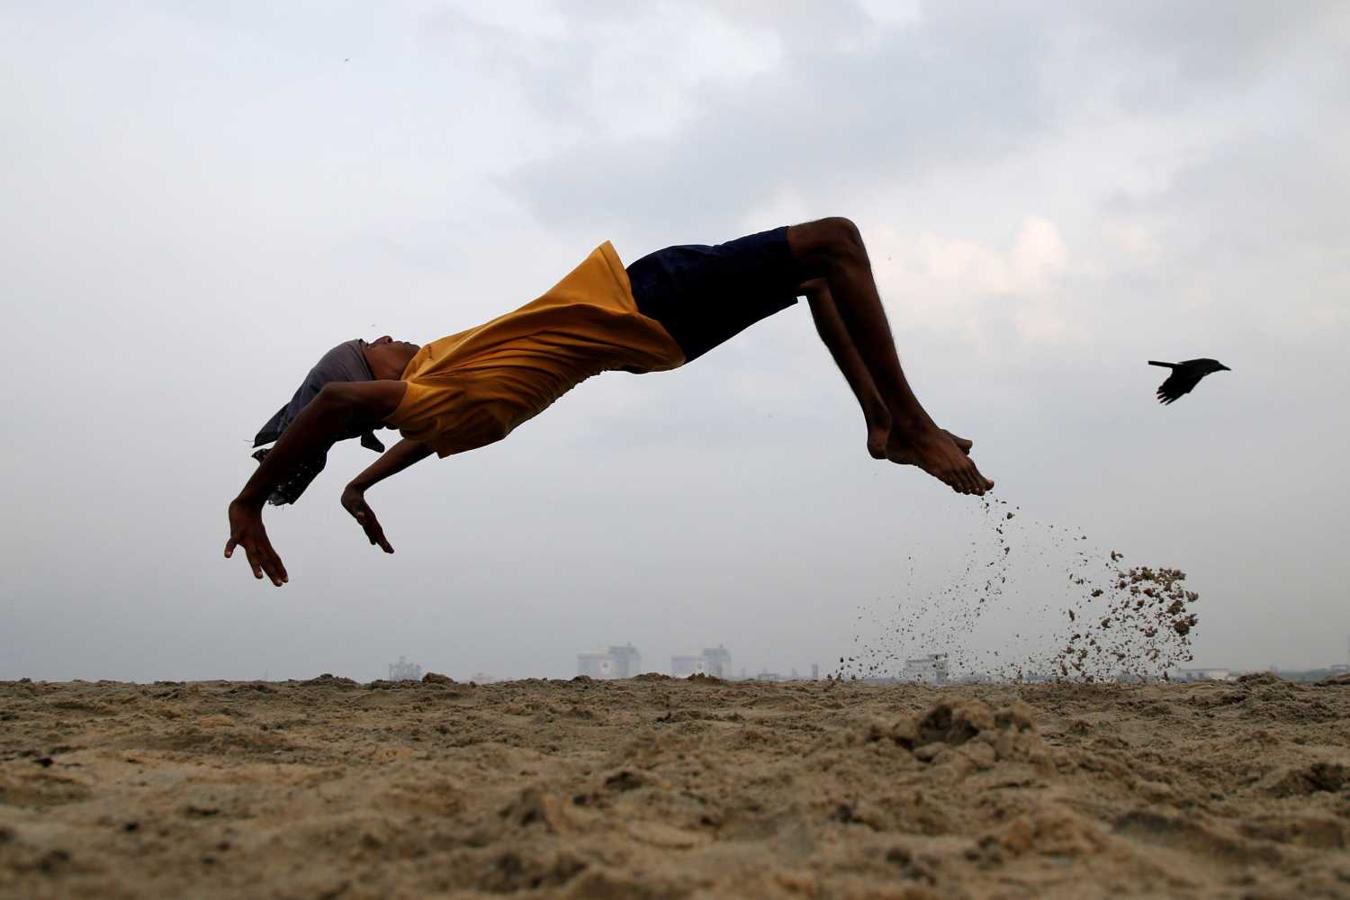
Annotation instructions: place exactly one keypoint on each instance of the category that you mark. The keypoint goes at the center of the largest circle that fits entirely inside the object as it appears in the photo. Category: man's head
(381, 359)
(388, 358)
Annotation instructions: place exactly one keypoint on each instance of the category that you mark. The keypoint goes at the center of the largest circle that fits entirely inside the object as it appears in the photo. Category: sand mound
(674, 788)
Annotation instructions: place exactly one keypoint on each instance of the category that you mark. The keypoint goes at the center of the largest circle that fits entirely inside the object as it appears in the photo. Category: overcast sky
(198, 199)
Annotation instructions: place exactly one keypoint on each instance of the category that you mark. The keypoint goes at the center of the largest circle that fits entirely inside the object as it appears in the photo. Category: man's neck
(384, 366)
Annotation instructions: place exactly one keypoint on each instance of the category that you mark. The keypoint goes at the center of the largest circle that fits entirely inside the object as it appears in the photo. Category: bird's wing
(1178, 383)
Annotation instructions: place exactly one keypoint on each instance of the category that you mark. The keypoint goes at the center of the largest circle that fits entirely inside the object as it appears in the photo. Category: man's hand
(247, 531)
(340, 409)
(354, 501)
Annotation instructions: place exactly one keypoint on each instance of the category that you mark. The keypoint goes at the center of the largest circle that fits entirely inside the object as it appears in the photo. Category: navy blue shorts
(705, 295)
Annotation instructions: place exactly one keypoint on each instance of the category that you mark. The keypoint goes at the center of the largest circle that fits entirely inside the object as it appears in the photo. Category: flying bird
(1185, 376)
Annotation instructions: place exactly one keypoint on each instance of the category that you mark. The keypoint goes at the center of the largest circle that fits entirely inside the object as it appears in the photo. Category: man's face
(386, 339)
(388, 357)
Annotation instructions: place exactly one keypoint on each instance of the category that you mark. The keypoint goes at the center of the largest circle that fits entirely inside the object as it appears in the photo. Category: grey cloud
(969, 83)
(826, 123)
(1199, 45)
(1249, 196)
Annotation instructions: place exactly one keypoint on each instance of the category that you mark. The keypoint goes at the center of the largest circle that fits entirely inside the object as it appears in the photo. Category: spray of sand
(1032, 599)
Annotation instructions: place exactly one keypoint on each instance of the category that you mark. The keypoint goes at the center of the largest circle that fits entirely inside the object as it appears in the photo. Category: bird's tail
(1154, 362)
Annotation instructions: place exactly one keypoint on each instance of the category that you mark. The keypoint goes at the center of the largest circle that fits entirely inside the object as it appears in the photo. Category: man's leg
(834, 334)
(832, 250)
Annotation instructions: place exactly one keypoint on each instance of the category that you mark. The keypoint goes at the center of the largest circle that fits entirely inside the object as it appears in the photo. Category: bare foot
(940, 454)
(878, 437)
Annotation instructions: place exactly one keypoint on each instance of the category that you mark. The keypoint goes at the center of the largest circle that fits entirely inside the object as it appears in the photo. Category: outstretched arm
(338, 408)
(399, 457)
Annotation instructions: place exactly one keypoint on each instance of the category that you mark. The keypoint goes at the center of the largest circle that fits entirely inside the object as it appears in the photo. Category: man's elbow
(337, 406)
(365, 401)
(333, 397)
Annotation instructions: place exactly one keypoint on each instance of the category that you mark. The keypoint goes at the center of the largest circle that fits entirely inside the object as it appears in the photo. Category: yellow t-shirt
(473, 388)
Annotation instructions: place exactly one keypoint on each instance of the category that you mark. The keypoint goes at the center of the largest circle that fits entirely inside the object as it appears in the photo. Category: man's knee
(842, 233)
(826, 243)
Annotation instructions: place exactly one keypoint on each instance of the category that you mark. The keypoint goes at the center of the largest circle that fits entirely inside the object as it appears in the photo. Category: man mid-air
(670, 307)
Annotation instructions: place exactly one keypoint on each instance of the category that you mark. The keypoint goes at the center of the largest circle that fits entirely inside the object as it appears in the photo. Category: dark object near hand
(290, 490)
(1185, 376)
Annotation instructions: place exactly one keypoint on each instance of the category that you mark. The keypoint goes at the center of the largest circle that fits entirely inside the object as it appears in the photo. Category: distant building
(595, 665)
(404, 670)
(931, 669)
(717, 662)
(1201, 675)
(712, 661)
(616, 662)
(627, 661)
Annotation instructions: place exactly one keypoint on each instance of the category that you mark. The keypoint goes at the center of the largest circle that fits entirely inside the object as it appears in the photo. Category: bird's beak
(1225, 368)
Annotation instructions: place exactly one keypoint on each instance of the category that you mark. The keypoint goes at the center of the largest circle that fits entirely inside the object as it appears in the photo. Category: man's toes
(961, 473)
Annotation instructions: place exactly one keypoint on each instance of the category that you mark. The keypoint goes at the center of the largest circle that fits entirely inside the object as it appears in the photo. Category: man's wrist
(247, 500)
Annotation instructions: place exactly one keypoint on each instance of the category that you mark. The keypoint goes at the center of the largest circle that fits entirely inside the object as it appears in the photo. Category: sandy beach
(654, 787)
